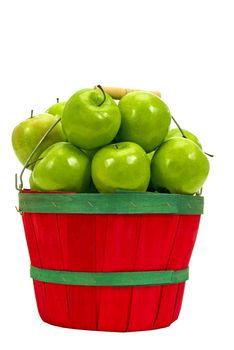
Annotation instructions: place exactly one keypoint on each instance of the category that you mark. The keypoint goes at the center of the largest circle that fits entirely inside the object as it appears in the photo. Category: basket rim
(122, 202)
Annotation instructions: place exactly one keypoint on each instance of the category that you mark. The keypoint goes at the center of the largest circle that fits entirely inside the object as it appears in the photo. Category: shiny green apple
(28, 133)
(121, 166)
(91, 119)
(62, 167)
(180, 166)
(56, 109)
(32, 184)
(145, 119)
(150, 157)
(188, 134)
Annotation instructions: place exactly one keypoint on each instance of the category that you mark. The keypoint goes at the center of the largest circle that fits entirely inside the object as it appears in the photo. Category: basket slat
(179, 258)
(122, 239)
(155, 240)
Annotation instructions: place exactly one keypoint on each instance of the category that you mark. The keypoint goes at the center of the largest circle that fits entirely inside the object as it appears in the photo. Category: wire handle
(117, 93)
(19, 186)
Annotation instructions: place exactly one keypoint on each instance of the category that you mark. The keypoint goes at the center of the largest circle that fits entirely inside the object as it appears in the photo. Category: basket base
(110, 309)
(106, 330)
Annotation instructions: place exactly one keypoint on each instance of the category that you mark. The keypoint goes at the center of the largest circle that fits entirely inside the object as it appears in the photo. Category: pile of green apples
(98, 145)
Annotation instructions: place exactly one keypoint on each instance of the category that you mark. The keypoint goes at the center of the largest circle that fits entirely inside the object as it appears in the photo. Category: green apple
(180, 166)
(91, 119)
(62, 167)
(56, 109)
(31, 183)
(121, 166)
(177, 133)
(145, 119)
(28, 133)
(150, 157)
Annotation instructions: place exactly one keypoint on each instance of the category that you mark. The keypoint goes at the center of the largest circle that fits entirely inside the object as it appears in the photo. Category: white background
(51, 49)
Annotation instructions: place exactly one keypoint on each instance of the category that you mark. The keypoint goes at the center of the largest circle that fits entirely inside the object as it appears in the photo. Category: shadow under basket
(110, 262)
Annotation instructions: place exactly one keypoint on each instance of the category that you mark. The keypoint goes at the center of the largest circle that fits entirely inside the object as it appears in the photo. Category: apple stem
(104, 95)
(178, 127)
(116, 146)
(57, 99)
(209, 155)
(31, 113)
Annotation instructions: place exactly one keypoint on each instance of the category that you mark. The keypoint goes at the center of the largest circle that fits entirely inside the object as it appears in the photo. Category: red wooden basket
(110, 262)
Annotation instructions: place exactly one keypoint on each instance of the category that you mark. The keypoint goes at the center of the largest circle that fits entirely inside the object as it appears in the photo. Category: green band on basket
(110, 203)
(139, 278)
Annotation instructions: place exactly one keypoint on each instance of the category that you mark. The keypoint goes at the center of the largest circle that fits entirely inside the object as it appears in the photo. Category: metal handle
(19, 186)
(117, 93)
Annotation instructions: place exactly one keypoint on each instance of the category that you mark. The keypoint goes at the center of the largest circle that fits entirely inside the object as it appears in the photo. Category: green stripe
(112, 203)
(140, 278)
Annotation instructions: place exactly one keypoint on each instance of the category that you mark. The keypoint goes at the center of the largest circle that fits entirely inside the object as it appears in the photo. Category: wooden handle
(117, 93)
